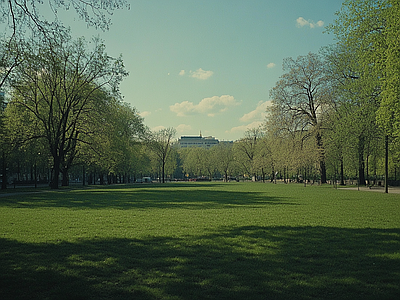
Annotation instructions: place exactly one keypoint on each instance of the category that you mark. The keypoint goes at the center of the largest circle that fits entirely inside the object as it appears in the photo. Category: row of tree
(334, 114)
(346, 98)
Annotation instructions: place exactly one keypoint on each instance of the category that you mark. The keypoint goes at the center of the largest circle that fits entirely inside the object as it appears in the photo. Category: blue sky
(208, 65)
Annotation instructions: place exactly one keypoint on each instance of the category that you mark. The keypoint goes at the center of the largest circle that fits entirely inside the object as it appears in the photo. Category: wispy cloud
(301, 22)
(158, 128)
(209, 106)
(201, 74)
(271, 65)
(145, 114)
(182, 72)
(254, 119)
(243, 128)
(257, 114)
(182, 128)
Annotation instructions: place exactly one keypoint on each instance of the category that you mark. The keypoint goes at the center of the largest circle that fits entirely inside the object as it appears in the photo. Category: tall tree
(19, 15)
(264, 159)
(3, 143)
(160, 143)
(60, 83)
(115, 146)
(388, 114)
(193, 162)
(21, 18)
(245, 151)
(225, 158)
(362, 29)
(302, 96)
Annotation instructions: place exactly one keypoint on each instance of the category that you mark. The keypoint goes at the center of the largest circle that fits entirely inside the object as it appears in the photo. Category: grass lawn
(200, 241)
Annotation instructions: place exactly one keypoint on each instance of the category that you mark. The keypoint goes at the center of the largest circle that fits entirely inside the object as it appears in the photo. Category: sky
(207, 66)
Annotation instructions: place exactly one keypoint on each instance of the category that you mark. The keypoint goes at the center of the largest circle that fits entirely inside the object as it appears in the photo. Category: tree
(193, 162)
(388, 116)
(263, 159)
(115, 149)
(388, 113)
(10, 57)
(198, 161)
(19, 15)
(302, 97)
(160, 143)
(367, 37)
(60, 84)
(225, 158)
(23, 18)
(3, 143)
(245, 151)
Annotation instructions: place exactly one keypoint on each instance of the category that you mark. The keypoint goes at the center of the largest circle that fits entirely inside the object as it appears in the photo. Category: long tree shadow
(230, 263)
(190, 197)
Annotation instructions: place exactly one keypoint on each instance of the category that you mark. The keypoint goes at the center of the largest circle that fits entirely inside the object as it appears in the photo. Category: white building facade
(197, 141)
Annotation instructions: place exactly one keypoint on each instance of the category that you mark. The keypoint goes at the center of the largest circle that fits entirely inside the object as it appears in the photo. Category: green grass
(200, 241)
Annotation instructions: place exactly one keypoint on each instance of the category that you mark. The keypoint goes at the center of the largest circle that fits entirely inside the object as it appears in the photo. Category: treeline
(338, 111)
(334, 115)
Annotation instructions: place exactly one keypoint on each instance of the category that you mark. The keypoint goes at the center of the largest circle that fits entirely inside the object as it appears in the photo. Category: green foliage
(300, 100)
(358, 64)
(225, 160)
(194, 160)
(196, 241)
(160, 143)
(388, 115)
(62, 87)
(245, 151)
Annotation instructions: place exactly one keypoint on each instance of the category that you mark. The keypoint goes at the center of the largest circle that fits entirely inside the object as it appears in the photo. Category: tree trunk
(322, 171)
(163, 173)
(361, 164)
(284, 174)
(341, 172)
(322, 166)
(263, 175)
(55, 173)
(386, 164)
(273, 174)
(65, 177)
(4, 172)
(366, 169)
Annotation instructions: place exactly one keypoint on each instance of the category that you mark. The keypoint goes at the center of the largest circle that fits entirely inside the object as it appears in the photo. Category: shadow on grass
(231, 263)
(142, 197)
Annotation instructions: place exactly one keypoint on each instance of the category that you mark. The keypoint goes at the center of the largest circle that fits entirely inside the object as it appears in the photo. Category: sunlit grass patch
(200, 241)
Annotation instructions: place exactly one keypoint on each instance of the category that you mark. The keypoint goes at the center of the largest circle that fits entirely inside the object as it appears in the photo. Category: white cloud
(183, 128)
(243, 128)
(301, 22)
(158, 128)
(182, 72)
(183, 108)
(201, 74)
(145, 114)
(258, 114)
(271, 65)
(210, 106)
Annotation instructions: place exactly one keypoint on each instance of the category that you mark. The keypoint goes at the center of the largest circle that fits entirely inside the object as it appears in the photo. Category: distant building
(197, 141)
